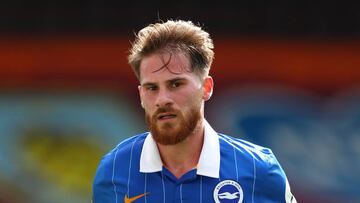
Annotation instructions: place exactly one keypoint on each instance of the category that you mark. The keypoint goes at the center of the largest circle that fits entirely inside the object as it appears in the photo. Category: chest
(160, 188)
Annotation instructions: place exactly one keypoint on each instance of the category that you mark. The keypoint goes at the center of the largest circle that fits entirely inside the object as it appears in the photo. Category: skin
(177, 87)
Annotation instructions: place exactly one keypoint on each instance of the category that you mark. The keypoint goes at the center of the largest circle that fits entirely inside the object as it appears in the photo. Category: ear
(140, 94)
(208, 86)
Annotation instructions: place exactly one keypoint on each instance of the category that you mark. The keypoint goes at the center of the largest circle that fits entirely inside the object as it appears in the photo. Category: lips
(164, 116)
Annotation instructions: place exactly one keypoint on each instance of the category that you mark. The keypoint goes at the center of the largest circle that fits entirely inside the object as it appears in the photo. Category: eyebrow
(176, 79)
(148, 84)
(168, 81)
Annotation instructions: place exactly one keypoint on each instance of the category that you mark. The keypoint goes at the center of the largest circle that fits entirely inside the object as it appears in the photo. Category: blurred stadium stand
(296, 18)
(287, 76)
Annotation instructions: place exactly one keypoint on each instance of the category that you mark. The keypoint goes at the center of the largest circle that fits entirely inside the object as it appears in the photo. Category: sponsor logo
(228, 191)
(131, 199)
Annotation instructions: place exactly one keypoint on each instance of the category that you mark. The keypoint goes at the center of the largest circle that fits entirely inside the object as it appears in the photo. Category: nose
(163, 99)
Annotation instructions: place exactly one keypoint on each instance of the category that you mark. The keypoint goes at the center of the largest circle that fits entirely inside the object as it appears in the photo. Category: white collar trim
(209, 161)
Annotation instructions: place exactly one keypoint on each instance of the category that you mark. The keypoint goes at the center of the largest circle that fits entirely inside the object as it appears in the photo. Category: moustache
(164, 110)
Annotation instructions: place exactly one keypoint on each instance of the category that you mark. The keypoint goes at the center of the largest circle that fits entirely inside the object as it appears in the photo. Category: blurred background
(287, 76)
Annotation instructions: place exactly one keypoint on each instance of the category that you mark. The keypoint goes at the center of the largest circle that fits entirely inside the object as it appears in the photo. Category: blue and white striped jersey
(229, 171)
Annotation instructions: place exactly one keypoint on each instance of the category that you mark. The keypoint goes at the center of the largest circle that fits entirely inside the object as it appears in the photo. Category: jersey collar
(209, 162)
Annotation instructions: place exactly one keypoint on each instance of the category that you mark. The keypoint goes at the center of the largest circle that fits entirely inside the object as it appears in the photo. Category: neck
(184, 156)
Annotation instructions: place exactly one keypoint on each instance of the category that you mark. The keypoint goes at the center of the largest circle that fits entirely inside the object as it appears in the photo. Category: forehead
(164, 66)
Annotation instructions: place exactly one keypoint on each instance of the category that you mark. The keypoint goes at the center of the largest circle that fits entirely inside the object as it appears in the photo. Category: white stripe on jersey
(181, 198)
(236, 167)
(163, 184)
(253, 192)
(113, 175)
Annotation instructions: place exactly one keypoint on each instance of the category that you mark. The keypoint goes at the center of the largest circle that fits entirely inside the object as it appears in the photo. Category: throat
(180, 163)
(184, 156)
(180, 171)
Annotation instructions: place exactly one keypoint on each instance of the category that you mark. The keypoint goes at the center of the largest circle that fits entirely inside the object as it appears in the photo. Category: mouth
(166, 116)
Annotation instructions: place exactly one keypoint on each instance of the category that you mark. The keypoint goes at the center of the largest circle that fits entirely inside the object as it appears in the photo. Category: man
(183, 159)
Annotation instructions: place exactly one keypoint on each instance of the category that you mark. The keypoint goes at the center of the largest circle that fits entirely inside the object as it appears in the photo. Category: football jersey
(229, 170)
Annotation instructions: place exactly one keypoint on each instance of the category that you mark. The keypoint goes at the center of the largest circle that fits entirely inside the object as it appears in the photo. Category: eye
(151, 87)
(175, 84)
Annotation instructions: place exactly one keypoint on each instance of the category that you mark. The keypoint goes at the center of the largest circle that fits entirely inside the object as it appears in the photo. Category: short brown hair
(173, 35)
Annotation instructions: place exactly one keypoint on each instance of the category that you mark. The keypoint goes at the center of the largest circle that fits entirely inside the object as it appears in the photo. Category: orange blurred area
(320, 65)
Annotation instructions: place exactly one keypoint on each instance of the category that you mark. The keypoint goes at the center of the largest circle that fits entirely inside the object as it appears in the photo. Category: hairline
(175, 50)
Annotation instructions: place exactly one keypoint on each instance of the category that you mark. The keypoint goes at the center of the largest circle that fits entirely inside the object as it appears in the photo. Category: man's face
(172, 96)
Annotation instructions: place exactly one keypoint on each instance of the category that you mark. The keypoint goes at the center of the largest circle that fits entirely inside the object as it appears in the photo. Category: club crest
(228, 191)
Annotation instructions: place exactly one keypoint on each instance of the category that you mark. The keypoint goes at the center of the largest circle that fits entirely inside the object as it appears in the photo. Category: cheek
(147, 107)
(193, 100)
(147, 100)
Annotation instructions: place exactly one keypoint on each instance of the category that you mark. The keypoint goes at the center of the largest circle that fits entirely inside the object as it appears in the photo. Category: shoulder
(123, 149)
(263, 157)
(118, 159)
(120, 154)
(128, 146)
(270, 179)
(245, 148)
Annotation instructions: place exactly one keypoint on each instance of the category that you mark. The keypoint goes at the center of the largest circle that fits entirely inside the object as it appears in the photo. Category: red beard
(172, 133)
